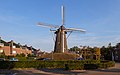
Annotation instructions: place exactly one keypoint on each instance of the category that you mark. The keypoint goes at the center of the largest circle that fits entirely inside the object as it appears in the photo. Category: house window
(14, 47)
(14, 52)
(1, 51)
(1, 44)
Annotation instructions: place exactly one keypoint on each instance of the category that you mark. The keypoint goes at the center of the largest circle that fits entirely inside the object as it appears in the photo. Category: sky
(100, 18)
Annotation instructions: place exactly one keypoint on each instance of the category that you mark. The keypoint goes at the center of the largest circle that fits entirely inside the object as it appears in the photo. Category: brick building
(12, 49)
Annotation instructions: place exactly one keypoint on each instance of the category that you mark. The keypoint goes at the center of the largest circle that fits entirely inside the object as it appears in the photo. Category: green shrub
(21, 58)
(6, 65)
(106, 64)
(68, 65)
(74, 66)
(90, 66)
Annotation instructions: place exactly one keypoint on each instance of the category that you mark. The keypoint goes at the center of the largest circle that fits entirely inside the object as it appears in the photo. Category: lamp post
(75, 53)
(52, 55)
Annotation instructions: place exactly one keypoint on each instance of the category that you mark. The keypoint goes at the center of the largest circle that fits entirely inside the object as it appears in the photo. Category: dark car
(43, 59)
(80, 59)
(2, 59)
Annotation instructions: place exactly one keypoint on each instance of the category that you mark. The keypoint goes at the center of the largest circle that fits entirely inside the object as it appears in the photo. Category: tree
(20, 55)
(106, 52)
(30, 55)
(75, 48)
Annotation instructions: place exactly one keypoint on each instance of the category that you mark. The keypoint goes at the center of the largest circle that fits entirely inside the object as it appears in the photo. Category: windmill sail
(47, 25)
(75, 29)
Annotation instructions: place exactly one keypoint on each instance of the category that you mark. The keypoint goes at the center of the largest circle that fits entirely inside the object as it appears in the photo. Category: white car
(13, 59)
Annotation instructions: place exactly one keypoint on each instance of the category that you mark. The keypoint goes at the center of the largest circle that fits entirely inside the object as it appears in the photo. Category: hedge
(106, 64)
(68, 65)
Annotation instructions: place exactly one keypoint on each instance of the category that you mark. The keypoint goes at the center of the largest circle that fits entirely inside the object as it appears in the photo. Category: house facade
(12, 49)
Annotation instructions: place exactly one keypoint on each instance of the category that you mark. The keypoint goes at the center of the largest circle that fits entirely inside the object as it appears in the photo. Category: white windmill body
(61, 40)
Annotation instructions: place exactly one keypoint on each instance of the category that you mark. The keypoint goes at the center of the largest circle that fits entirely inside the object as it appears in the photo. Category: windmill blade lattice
(47, 25)
(75, 29)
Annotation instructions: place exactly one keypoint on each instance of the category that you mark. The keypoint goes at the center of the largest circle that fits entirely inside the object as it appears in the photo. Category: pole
(75, 53)
(52, 55)
(112, 57)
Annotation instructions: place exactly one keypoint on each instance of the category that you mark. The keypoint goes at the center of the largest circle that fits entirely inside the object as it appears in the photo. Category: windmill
(61, 31)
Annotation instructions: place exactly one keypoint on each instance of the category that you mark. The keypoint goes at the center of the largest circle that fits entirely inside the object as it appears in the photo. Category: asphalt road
(111, 71)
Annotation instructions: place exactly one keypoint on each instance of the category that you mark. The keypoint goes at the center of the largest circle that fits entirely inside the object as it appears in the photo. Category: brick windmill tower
(61, 31)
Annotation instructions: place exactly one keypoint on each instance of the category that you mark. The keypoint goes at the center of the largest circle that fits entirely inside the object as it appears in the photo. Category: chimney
(19, 45)
(31, 47)
(11, 46)
(26, 46)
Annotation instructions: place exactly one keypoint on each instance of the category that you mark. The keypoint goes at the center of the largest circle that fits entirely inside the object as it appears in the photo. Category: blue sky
(101, 19)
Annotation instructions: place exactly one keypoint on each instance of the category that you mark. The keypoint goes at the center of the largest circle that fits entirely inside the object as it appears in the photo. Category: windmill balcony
(1, 45)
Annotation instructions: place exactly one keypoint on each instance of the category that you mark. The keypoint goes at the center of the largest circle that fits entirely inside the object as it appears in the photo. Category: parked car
(2, 59)
(80, 59)
(43, 59)
(13, 59)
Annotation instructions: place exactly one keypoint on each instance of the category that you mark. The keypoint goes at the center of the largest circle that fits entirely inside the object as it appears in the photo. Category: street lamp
(52, 55)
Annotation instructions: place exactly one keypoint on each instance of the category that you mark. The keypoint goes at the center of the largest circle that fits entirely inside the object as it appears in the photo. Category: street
(111, 71)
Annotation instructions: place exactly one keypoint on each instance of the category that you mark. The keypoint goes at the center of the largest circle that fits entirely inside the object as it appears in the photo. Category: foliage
(2, 56)
(21, 58)
(30, 55)
(75, 48)
(106, 53)
(106, 64)
(20, 55)
(68, 65)
(90, 66)
(74, 66)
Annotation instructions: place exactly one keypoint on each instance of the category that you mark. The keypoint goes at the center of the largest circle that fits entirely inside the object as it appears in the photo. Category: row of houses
(12, 49)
